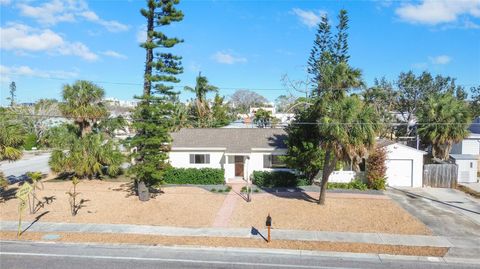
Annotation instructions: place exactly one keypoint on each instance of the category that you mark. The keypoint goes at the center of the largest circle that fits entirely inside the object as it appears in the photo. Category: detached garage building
(404, 164)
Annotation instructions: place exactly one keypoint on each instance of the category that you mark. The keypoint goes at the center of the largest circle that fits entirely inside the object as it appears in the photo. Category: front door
(238, 166)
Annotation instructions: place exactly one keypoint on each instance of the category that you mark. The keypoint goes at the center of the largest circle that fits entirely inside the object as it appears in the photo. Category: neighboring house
(238, 151)
(471, 144)
(404, 164)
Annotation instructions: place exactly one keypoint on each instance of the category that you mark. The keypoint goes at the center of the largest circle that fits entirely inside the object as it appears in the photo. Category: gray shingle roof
(235, 140)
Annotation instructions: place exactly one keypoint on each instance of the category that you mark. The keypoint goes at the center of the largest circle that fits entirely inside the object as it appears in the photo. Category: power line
(183, 86)
(281, 123)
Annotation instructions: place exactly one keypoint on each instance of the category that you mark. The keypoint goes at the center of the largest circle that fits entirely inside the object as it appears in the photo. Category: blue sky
(236, 44)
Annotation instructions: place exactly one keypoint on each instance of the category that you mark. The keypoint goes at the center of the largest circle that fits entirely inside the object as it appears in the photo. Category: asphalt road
(28, 163)
(55, 255)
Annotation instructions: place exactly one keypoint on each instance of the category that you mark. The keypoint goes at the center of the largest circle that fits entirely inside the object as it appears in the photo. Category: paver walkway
(226, 210)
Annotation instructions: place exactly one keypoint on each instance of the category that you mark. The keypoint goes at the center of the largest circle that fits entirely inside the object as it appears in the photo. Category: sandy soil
(339, 214)
(112, 202)
(235, 242)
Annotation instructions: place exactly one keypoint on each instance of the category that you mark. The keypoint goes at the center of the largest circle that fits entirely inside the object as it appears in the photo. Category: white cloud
(433, 12)
(308, 17)
(227, 58)
(5, 2)
(421, 66)
(440, 60)
(114, 54)
(56, 11)
(6, 72)
(22, 38)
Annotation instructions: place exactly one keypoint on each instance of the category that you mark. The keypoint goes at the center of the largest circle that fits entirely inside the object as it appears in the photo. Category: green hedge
(355, 184)
(277, 179)
(201, 176)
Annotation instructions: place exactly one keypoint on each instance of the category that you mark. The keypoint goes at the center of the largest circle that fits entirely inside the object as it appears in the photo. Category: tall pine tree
(341, 44)
(154, 116)
(322, 48)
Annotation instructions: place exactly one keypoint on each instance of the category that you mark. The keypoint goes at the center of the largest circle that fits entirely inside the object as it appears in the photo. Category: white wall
(470, 145)
(341, 176)
(401, 152)
(255, 163)
(465, 172)
(181, 159)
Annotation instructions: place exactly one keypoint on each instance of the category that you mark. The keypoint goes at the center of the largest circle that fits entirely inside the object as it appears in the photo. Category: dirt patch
(113, 202)
(338, 214)
(234, 242)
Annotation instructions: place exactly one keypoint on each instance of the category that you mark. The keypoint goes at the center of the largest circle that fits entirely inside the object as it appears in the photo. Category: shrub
(213, 190)
(201, 176)
(277, 179)
(355, 184)
(376, 169)
(30, 142)
(228, 189)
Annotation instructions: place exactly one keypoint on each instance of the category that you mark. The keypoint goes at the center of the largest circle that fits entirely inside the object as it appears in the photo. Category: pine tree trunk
(147, 84)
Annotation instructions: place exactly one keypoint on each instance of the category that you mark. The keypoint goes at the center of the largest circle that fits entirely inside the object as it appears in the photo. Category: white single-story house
(467, 167)
(239, 151)
(404, 164)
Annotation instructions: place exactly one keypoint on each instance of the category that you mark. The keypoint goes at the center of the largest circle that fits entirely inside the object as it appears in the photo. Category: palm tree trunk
(328, 166)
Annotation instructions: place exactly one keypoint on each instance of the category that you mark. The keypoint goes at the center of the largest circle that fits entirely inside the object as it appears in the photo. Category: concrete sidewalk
(371, 238)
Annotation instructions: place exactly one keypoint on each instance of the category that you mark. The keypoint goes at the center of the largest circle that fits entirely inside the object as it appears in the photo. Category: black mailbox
(268, 222)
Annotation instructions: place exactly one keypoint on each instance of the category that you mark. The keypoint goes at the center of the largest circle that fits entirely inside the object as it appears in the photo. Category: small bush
(255, 190)
(220, 190)
(376, 169)
(30, 142)
(213, 190)
(355, 184)
(277, 179)
(244, 189)
(228, 189)
(201, 176)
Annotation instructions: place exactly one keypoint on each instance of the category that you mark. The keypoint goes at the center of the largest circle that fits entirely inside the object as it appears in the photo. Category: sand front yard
(341, 213)
(112, 202)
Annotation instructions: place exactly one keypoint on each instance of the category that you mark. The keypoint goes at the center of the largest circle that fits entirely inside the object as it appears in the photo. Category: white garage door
(399, 173)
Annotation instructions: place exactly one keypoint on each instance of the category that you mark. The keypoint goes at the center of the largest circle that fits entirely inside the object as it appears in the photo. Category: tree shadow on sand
(131, 190)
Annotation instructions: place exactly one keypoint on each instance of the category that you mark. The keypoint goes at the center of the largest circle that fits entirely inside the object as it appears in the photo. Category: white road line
(167, 260)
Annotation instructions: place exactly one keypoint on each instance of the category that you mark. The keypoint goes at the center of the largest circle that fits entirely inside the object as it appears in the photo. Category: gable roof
(380, 143)
(235, 140)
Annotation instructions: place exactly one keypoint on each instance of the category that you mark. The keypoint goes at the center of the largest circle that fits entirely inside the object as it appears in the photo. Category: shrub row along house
(241, 151)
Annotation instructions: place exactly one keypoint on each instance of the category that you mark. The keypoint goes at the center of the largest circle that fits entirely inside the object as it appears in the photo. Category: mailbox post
(268, 223)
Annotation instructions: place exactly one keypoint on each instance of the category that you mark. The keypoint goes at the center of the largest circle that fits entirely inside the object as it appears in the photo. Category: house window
(199, 158)
(273, 161)
(471, 164)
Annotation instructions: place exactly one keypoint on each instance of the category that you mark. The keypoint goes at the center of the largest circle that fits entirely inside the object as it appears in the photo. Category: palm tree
(201, 105)
(443, 121)
(347, 131)
(83, 103)
(92, 156)
(346, 126)
(12, 137)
